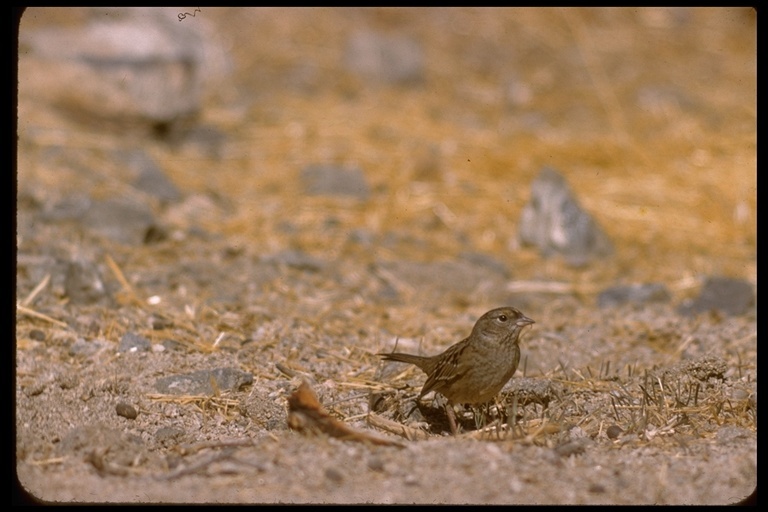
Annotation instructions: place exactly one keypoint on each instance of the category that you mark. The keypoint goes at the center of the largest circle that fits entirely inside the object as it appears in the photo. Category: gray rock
(84, 348)
(633, 294)
(297, 259)
(138, 64)
(147, 176)
(385, 58)
(131, 342)
(199, 382)
(554, 222)
(119, 220)
(83, 283)
(723, 294)
(68, 208)
(335, 181)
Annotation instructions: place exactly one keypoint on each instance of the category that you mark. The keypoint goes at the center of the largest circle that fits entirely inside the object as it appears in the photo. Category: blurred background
(429, 124)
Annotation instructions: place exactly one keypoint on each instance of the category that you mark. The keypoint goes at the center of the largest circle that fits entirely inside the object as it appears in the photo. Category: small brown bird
(474, 370)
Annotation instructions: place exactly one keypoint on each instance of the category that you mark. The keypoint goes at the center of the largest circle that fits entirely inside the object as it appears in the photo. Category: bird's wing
(448, 370)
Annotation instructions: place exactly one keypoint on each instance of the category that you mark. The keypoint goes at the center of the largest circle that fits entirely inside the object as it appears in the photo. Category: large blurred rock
(385, 58)
(83, 283)
(147, 176)
(135, 65)
(331, 180)
(120, 220)
(204, 382)
(726, 295)
(633, 294)
(554, 222)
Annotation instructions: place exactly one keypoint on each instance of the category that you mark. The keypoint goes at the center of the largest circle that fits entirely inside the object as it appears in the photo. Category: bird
(474, 370)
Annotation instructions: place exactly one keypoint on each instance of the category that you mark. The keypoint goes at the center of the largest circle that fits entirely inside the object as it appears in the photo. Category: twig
(399, 429)
(218, 401)
(290, 372)
(218, 339)
(33, 294)
(226, 443)
(199, 465)
(365, 384)
(119, 274)
(41, 316)
(307, 416)
(46, 462)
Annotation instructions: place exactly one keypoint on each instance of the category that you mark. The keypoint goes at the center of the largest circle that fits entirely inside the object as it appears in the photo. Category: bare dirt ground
(155, 352)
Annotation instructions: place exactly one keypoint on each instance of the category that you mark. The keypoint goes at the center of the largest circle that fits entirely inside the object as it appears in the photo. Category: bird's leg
(511, 412)
(500, 409)
(451, 418)
(481, 415)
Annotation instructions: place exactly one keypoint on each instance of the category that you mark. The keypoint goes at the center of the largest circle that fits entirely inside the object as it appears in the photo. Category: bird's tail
(419, 361)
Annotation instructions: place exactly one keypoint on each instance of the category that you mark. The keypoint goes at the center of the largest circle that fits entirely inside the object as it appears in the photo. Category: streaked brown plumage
(475, 369)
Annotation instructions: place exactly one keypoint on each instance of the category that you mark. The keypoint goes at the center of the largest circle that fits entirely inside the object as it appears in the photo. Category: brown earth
(650, 114)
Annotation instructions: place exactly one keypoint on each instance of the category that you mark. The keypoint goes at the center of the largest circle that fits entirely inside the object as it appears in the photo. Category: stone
(555, 223)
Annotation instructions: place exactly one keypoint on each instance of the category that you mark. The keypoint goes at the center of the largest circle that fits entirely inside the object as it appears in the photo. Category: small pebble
(37, 335)
(613, 432)
(597, 488)
(334, 475)
(126, 411)
(376, 464)
(411, 479)
(35, 389)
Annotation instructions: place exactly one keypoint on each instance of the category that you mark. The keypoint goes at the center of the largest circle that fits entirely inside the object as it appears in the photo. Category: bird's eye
(503, 318)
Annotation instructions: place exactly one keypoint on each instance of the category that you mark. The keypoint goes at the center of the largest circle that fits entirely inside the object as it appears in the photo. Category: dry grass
(687, 401)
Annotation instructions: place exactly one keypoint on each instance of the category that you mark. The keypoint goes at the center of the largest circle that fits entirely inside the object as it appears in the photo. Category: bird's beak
(522, 322)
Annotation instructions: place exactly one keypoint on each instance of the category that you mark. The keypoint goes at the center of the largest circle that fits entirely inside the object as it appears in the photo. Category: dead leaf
(307, 415)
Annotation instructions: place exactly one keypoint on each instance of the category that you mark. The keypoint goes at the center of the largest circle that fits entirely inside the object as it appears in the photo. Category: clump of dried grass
(220, 403)
(686, 401)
